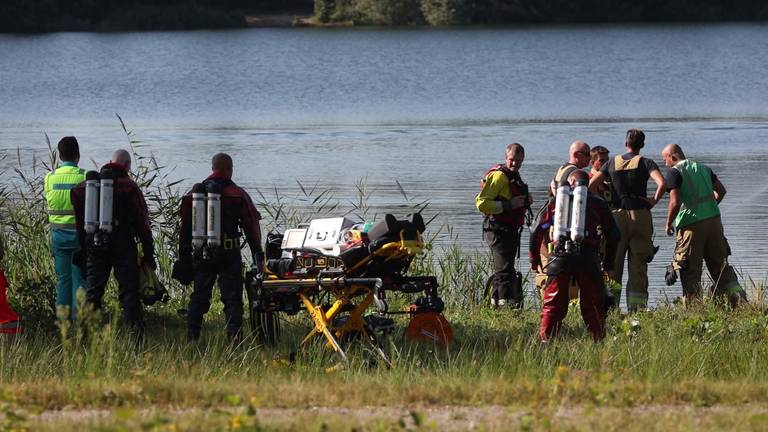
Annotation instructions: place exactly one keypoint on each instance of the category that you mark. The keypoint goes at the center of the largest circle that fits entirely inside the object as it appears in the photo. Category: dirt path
(453, 418)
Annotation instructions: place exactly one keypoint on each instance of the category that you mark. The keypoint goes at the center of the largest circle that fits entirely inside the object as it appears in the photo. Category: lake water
(430, 108)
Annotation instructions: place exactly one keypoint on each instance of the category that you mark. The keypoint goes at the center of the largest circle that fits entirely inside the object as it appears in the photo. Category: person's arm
(46, 185)
(488, 200)
(612, 236)
(537, 238)
(661, 186)
(249, 221)
(596, 181)
(142, 226)
(77, 198)
(185, 227)
(672, 209)
(719, 190)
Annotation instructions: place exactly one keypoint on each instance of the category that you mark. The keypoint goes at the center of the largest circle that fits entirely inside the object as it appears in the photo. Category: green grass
(701, 368)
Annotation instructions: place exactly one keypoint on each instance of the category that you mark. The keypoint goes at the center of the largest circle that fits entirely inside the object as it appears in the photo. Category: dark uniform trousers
(121, 255)
(227, 267)
(504, 241)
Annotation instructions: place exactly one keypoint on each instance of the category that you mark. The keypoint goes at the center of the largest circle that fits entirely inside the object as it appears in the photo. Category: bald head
(222, 163)
(122, 157)
(579, 153)
(672, 154)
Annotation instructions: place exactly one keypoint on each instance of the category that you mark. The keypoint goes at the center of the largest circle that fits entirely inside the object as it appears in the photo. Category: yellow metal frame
(323, 319)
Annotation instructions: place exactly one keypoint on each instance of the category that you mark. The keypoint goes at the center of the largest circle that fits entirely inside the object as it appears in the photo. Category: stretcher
(340, 274)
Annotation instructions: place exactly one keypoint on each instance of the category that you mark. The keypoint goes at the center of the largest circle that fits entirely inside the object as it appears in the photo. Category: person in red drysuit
(583, 265)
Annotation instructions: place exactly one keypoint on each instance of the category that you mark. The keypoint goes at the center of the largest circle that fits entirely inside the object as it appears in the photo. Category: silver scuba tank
(579, 212)
(214, 215)
(91, 216)
(106, 200)
(562, 207)
(198, 217)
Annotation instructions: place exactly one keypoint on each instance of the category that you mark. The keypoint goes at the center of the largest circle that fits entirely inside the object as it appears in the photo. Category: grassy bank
(668, 360)
(656, 369)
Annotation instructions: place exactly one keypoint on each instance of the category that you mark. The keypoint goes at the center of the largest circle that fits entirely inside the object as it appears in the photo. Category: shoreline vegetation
(671, 368)
(40, 16)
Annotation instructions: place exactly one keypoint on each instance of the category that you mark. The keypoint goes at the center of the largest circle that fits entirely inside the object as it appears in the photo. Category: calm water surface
(432, 109)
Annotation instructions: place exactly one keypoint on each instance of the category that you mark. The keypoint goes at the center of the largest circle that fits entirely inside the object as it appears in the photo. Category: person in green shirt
(61, 215)
(695, 193)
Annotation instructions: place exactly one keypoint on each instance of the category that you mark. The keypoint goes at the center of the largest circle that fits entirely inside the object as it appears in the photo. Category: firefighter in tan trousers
(695, 193)
(629, 174)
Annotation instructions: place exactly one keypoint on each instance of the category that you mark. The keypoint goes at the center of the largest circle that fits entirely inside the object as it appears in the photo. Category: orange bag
(9, 321)
(430, 327)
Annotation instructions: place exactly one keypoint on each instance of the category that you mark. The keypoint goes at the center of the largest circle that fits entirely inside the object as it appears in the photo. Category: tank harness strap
(566, 171)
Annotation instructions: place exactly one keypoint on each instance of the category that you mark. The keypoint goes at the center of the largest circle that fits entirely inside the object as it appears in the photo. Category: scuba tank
(214, 216)
(198, 217)
(579, 211)
(562, 207)
(106, 199)
(91, 202)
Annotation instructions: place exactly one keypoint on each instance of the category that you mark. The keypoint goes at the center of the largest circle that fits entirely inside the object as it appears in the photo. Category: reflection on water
(432, 109)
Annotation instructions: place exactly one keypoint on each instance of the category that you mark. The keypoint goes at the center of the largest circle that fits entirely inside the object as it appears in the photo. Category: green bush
(388, 12)
(445, 12)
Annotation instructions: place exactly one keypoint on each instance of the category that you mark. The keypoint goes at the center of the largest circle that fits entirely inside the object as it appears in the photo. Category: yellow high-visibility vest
(58, 184)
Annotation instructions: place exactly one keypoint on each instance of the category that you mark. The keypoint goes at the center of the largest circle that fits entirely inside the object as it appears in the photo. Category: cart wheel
(377, 347)
(266, 326)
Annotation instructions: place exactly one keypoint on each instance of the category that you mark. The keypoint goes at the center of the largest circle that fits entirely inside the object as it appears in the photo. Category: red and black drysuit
(502, 234)
(130, 221)
(237, 211)
(583, 268)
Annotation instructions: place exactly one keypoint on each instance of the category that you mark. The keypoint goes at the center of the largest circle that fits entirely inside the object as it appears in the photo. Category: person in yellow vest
(504, 200)
(695, 193)
(61, 215)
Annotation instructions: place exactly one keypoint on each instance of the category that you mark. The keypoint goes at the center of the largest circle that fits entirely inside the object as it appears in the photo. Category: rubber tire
(264, 325)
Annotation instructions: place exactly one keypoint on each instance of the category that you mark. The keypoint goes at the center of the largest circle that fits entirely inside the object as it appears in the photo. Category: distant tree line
(448, 12)
(62, 15)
